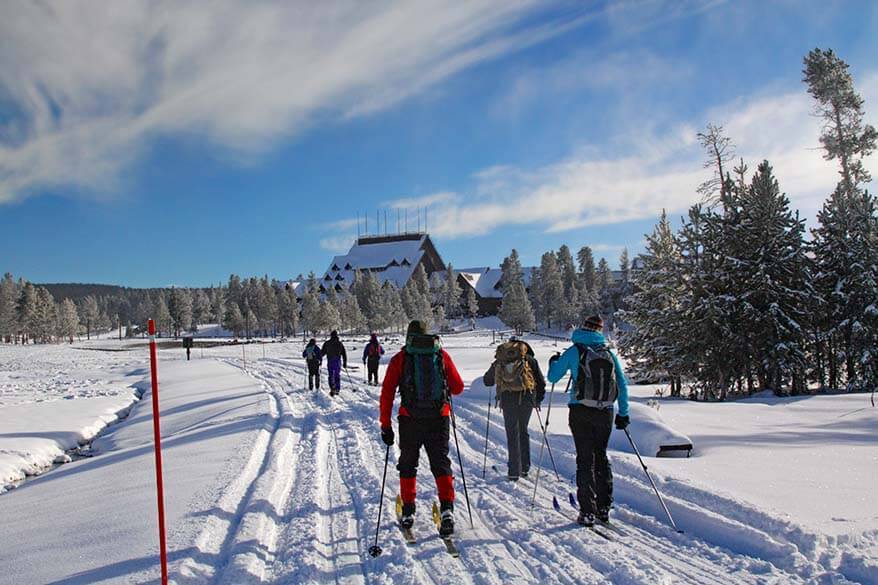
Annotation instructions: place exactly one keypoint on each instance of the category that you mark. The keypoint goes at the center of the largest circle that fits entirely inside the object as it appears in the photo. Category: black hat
(416, 328)
(594, 323)
(333, 333)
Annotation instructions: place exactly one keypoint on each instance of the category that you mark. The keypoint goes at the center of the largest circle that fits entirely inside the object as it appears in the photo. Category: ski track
(303, 510)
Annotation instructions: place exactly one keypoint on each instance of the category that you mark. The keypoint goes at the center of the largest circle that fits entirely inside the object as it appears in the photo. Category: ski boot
(407, 518)
(585, 519)
(603, 515)
(446, 525)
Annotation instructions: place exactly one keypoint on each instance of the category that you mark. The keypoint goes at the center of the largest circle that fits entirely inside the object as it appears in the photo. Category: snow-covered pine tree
(161, 314)
(453, 294)
(8, 297)
(180, 307)
(217, 305)
(472, 304)
(418, 296)
(439, 321)
(25, 310)
(845, 266)
(770, 273)
(329, 318)
(200, 307)
(552, 289)
(311, 311)
(396, 314)
(649, 346)
(68, 320)
(90, 314)
(233, 320)
(720, 152)
(44, 316)
(603, 285)
(587, 276)
(349, 310)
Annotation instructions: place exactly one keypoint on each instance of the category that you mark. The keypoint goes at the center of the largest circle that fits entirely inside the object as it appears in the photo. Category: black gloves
(554, 358)
(539, 395)
(622, 422)
(387, 436)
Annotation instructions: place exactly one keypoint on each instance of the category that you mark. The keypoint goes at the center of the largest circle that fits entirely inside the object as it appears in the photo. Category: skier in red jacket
(425, 375)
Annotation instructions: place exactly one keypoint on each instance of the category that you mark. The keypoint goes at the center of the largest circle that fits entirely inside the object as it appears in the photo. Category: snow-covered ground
(268, 482)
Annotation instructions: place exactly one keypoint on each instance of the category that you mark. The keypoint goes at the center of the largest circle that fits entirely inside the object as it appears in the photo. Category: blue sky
(149, 145)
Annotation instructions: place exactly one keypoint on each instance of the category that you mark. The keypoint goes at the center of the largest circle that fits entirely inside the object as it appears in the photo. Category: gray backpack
(596, 384)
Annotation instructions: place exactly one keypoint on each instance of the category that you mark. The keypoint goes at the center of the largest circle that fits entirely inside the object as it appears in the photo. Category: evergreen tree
(25, 310)
(180, 307)
(162, 315)
(68, 321)
(311, 311)
(587, 275)
(233, 320)
(396, 314)
(44, 318)
(91, 314)
(452, 294)
(472, 303)
(649, 345)
(603, 287)
(217, 305)
(200, 307)
(552, 289)
(844, 242)
(439, 318)
(8, 319)
(329, 318)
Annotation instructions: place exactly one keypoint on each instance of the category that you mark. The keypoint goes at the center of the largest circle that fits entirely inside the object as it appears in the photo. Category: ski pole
(546, 439)
(487, 428)
(375, 550)
(544, 443)
(460, 461)
(646, 471)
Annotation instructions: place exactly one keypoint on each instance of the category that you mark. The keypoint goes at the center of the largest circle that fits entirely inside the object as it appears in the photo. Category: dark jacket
(334, 349)
(540, 390)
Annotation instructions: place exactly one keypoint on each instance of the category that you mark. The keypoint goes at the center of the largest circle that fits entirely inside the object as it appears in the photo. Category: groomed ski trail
(303, 510)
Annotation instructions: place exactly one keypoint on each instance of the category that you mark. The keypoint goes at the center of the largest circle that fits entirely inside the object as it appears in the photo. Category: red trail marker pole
(153, 362)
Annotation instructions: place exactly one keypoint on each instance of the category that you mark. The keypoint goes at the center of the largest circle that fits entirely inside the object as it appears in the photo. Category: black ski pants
(372, 367)
(517, 409)
(591, 428)
(313, 375)
(433, 434)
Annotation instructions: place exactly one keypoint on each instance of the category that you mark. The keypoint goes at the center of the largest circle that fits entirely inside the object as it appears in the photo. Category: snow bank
(36, 436)
(652, 435)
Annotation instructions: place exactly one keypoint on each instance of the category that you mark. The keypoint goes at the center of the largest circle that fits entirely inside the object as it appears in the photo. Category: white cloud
(338, 244)
(661, 171)
(425, 201)
(91, 84)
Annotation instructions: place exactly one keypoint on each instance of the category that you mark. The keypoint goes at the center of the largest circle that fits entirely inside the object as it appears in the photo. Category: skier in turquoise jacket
(592, 396)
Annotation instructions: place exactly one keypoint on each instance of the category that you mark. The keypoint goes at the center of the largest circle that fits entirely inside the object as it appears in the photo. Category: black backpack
(423, 388)
(596, 384)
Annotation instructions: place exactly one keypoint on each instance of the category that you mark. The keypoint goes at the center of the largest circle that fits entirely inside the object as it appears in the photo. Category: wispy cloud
(338, 244)
(424, 201)
(659, 171)
(90, 85)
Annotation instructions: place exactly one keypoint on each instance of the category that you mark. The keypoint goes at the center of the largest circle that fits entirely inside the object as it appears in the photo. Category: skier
(313, 357)
(424, 374)
(597, 381)
(520, 388)
(372, 357)
(336, 359)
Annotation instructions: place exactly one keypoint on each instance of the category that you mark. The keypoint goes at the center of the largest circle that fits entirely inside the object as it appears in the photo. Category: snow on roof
(486, 280)
(387, 261)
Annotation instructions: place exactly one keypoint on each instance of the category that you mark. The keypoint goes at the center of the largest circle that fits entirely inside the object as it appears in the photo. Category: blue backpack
(423, 388)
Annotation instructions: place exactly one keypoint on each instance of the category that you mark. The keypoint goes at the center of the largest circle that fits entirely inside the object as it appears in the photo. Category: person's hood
(586, 337)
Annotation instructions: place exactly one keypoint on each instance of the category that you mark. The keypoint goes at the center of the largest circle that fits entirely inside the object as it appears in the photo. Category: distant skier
(336, 359)
(597, 382)
(372, 357)
(424, 374)
(520, 388)
(313, 357)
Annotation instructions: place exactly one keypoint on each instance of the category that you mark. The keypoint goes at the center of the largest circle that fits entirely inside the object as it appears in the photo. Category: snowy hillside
(270, 483)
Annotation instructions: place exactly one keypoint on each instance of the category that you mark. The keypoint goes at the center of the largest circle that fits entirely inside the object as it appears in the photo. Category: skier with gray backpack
(597, 382)
(520, 389)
